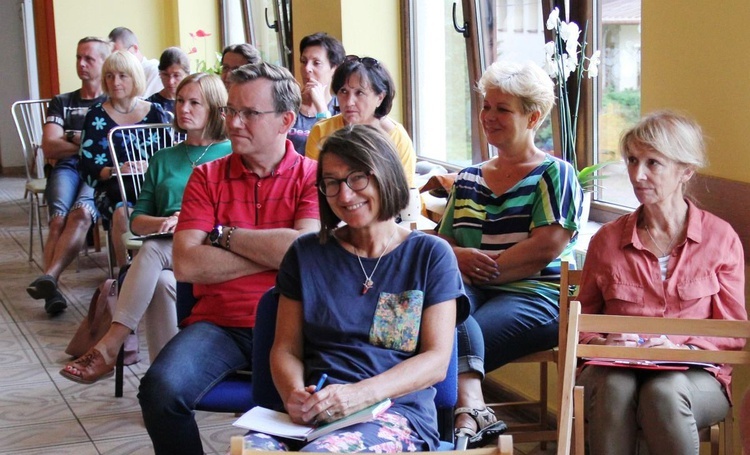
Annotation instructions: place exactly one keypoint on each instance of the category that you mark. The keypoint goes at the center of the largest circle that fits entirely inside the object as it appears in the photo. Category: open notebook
(276, 423)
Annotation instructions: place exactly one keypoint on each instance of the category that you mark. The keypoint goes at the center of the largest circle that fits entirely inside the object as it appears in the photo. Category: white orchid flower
(570, 63)
(553, 19)
(570, 32)
(593, 67)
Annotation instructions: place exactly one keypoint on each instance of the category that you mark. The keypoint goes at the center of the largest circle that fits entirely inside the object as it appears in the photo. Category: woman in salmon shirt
(667, 259)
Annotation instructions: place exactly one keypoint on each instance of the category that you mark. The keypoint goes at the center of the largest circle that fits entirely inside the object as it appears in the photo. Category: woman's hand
(134, 167)
(622, 339)
(315, 92)
(662, 342)
(169, 223)
(476, 267)
(333, 402)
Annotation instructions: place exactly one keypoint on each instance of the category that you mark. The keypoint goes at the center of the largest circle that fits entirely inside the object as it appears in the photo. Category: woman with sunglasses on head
(379, 330)
(149, 286)
(320, 55)
(365, 92)
(173, 67)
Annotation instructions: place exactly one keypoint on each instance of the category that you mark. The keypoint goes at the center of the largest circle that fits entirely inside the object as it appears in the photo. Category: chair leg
(39, 223)
(543, 370)
(119, 371)
(31, 225)
(110, 254)
(579, 441)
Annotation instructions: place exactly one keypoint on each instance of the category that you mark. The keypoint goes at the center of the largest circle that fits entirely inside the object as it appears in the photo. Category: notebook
(276, 423)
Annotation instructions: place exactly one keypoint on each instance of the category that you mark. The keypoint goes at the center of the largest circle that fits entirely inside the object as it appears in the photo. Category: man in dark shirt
(69, 199)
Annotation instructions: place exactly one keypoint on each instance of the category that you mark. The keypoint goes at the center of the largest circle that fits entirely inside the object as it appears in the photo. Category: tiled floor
(40, 411)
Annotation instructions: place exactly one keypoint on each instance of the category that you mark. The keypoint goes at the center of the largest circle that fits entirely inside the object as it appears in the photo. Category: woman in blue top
(378, 330)
(123, 81)
(149, 287)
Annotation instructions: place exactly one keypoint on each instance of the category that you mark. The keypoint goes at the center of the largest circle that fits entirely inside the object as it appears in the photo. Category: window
(258, 23)
(619, 84)
(441, 96)
(445, 122)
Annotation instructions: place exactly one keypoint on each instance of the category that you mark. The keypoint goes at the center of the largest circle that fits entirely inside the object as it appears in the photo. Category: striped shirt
(475, 217)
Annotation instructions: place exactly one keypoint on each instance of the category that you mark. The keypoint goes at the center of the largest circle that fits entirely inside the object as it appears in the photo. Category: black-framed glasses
(367, 61)
(356, 180)
(245, 115)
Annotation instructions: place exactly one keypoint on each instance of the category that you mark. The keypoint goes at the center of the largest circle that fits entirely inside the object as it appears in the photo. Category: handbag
(97, 322)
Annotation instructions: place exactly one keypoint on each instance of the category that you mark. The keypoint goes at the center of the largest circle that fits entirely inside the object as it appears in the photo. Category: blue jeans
(66, 191)
(504, 326)
(197, 358)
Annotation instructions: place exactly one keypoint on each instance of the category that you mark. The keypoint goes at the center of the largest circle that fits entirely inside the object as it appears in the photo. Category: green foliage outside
(628, 103)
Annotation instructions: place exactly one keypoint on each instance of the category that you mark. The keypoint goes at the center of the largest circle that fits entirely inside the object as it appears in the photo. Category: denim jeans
(66, 191)
(504, 326)
(197, 358)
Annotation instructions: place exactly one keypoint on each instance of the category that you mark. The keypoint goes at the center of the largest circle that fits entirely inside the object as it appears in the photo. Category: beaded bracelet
(229, 236)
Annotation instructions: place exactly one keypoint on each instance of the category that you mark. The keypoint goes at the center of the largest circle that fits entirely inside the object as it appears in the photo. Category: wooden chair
(630, 324)
(504, 447)
(29, 117)
(540, 430)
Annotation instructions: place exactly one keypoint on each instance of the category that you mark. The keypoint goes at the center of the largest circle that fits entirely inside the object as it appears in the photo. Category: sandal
(487, 424)
(88, 368)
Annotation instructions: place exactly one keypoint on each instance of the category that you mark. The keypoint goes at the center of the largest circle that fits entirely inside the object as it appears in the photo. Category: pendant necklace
(663, 253)
(195, 163)
(132, 108)
(368, 284)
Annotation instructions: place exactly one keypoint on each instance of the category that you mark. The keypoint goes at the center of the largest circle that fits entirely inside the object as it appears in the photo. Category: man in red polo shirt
(239, 216)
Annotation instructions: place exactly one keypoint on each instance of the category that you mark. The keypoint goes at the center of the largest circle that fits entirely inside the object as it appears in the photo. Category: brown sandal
(88, 368)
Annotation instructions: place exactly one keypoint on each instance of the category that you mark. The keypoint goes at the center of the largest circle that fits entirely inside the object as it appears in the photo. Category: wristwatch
(215, 236)
(69, 135)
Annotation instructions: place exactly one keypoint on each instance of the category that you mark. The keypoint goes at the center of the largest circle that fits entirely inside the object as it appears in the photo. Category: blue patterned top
(95, 155)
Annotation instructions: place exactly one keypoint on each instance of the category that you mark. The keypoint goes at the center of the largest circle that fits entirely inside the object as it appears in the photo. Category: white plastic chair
(138, 142)
(29, 117)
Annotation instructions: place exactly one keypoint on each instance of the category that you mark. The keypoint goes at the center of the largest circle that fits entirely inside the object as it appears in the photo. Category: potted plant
(565, 55)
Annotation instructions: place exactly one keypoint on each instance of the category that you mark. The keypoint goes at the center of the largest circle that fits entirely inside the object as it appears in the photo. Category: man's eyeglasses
(356, 180)
(245, 115)
(367, 61)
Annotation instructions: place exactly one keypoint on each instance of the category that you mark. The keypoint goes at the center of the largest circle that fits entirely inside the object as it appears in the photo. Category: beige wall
(694, 58)
(158, 25)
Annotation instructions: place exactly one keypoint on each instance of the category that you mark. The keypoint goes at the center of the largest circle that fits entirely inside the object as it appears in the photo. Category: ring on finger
(329, 413)
(476, 269)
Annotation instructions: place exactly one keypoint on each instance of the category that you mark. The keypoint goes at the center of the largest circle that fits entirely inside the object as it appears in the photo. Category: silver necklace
(368, 284)
(195, 163)
(669, 246)
(132, 108)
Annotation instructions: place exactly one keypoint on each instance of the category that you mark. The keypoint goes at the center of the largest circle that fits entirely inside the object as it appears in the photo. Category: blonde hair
(677, 137)
(526, 81)
(124, 62)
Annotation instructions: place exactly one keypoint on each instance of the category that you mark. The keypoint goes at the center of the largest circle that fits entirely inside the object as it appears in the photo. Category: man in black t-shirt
(70, 201)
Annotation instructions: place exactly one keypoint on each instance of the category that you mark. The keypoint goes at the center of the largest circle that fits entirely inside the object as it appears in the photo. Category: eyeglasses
(356, 180)
(367, 61)
(245, 115)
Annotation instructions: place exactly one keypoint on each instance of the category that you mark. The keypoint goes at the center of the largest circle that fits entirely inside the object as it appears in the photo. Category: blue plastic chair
(235, 392)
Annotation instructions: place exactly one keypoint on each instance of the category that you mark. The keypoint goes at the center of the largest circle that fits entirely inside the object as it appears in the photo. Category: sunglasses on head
(367, 61)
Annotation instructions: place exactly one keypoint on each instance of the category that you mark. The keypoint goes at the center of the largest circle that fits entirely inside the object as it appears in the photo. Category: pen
(320, 383)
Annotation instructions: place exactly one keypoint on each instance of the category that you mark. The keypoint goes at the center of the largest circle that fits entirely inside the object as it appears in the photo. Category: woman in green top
(149, 287)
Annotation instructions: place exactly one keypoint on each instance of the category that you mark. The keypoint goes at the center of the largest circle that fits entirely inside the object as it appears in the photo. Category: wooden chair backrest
(601, 323)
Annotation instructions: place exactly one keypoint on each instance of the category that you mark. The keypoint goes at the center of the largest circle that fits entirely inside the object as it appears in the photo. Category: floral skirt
(389, 433)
